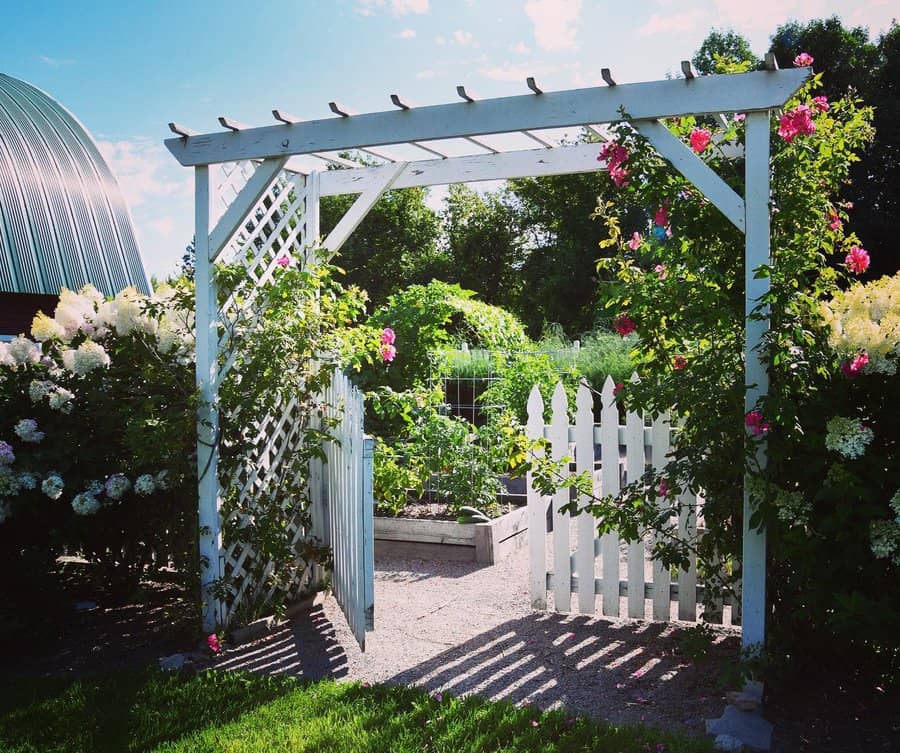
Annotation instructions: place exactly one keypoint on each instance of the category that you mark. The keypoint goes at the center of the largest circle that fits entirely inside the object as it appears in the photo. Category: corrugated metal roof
(63, 219)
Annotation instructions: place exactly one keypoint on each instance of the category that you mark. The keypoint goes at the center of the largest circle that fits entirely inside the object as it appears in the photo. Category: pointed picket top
(535, 408)
(560, 403)
(584, 400)
(608, 393)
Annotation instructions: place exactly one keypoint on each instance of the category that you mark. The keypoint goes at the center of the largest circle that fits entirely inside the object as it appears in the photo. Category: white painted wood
(561, 160)
(559, 439)
(694, 169)
(537, 511)
(368, 538)
(236, 215)
(746, 92)
(584, 463)
(634, 462)
(756, 378)
(212, 567)
(609, 486)
(687, 579)
(357, 213)
(661, 575)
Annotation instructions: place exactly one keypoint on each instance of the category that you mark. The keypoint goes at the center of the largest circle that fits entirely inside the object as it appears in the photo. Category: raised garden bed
(423, 538)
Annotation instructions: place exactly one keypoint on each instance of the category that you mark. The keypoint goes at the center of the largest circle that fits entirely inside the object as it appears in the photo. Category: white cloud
(56, 62)
(677, 23)
(462, 38)
(407, 34)
(507, 72)
(164, 226)
(402, 7)
(426, 74)
(145, 170)
(440, 40)
(555, 22)
(521, 48)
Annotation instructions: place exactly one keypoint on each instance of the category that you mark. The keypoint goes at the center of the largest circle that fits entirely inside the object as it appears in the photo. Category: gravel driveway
(462, 628)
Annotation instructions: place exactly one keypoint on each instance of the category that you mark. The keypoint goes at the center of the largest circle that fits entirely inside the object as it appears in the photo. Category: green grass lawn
(231, 712)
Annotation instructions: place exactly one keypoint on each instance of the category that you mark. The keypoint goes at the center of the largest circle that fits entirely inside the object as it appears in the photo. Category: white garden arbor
(240, 169)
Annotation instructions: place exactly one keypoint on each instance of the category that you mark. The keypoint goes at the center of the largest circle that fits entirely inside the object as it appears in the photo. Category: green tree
(723, 46)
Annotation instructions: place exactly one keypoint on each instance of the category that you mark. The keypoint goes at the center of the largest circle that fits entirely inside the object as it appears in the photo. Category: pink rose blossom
(213, 642)
(821, 103)
(803, 60)
(388, 352)
(635, 243)
(619, 176)
(857, 261)
(618, 388)
(661, 218)
(835, 221)
(740, 117)
(625, 325)
(797, 122)
(661, 271)
(387, 336)
(756, 423)
(615, 155)
(679, 362)
(283, 261)
(663, 492)
(851, 369)
(699, 139)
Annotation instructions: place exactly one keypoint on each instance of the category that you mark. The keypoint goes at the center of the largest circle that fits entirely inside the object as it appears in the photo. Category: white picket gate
(342, 506)
(578, 557)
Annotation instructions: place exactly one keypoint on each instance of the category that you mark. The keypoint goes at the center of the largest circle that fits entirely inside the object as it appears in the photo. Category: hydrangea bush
(829, 421)
(98, 397)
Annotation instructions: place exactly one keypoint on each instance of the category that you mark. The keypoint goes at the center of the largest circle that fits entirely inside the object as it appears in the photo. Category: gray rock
(747, 726)
(728, 743)
(174, 663)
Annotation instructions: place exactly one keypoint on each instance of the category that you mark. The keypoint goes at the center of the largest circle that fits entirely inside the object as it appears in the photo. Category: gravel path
(462, 628)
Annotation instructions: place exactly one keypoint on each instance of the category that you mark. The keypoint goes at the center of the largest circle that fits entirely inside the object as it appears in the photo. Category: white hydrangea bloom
(5, 510)
(9, 483)
(75, 313)
(7, 456)
(22, 350)
(52, 486)
(129, 313)
(144, 485)
(85, 504)
(847, 437)
(162, 481)
(27, 481)
(61, 400)
(5, 358)
(27, 431)
(87, 357)
(38, 390)
(117, 486)
(44, 328)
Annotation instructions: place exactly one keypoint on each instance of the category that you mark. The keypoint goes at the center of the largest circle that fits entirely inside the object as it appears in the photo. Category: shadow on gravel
(306, 647)
(610, 670)
(396, 570)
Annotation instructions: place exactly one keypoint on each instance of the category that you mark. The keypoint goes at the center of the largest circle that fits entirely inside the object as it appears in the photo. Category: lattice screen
(282, 222)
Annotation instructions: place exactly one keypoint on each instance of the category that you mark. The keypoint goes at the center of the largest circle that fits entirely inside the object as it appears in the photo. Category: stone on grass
(173, 663)
(728, 743)
(747, 726)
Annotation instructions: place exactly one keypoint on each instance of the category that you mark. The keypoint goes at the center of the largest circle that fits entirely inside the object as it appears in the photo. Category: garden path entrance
(460, 628)
(270, 157)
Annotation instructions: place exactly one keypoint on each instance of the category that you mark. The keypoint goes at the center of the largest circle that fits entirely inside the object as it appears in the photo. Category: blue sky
(125, 69)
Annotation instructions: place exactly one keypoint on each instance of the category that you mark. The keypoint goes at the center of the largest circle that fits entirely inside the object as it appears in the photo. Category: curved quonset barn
(63, 219)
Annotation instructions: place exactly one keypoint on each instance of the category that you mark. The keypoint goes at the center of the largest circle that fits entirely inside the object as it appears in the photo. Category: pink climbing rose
(821, 103)
(283, 261)
(387, 336)
(615, 155)
(625, 325)
(699, 139)
(661, 218)
(213, 642)
(756, 423)
(618, 388)
(740, 117)
(661, 271)
(797, 122)
(635, 243)
(851, 369)
(835, 221)
(679, 362)
(857, 261)
(663, 488)
(388, 352)
(803, 60)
